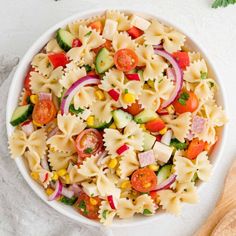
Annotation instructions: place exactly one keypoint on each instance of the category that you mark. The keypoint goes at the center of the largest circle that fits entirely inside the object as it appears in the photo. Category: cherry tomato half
(155, 125)
(97, 25)
(88, 206)
(88, 142)
(144, 180)
(186, 102)
(195, 147)
(125, 59)
(44, 112)
(182, 58)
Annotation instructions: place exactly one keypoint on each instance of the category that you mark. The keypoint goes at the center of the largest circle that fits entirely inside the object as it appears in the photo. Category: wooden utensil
(222, 221)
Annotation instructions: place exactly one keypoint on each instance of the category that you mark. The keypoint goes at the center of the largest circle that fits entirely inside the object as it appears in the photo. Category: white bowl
(16, 87)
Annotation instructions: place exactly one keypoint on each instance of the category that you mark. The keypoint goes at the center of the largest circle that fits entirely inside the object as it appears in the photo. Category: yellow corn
(55, 176)
(112, 164)
(35, 175)
(118, 172)
(52, 149)
(112, 126)
(90, 121)
(170, 109)
(61, 172)
(37, 124)
(67, 179)
(129, 98)
(34, 98)
(49, 191)
(99, 94)
(125, 184)
(93, 201)
(150, 83)
(153, 167)
(147, 185)
(163, 131)
(143, 127)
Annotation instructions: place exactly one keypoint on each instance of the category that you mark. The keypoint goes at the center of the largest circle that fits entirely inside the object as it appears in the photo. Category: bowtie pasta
(118, 117)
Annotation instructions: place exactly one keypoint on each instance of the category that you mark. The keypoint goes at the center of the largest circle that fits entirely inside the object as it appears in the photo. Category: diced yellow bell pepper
(112, 164)
(163, 131)
(34, 98)
(99, 94)
(112, 126)
(126, 184)
(49, 191)
(55, 176)
(153, 167)
(35, 175)
(67, 179)
(129, 98)
(90, 121)
(61, 172)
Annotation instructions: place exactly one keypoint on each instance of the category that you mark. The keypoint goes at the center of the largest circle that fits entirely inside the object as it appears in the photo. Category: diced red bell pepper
(155, 125)
(158, 137)
(58, 59)
(114, 94)
(122, 149)
(134, 32)
(76, 43)
(182, 58)
(134, 76)
(27, 79)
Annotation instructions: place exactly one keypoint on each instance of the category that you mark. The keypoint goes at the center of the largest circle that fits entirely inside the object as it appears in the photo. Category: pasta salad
(117, 117)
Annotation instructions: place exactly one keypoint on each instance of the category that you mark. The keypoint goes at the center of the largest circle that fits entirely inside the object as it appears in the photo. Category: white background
(22, 22)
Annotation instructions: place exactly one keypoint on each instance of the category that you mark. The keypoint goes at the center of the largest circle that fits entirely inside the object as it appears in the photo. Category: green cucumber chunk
(121, 118)
(145, 116)
(103, 61)
(64, 39)
(148, 141)
(164, 173)
(177, 144)
(100, 125)
(21, 114)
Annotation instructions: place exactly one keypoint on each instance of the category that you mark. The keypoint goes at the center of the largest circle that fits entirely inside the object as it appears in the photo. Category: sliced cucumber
(64, 39)
(145, 116)
(21, 114)
(103, 61)
(164, 173)
(148, 141)
(121, 118)
(100, 125)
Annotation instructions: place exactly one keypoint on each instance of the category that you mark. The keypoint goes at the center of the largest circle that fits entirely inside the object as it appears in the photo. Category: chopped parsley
(160, 81)
(222, 3)
(104, 214)
(90, 32)
(88, 150)
(147, 212)
(177, 144)
(88, 68)
(126, 91)
(83, 207)
(74, 111)
(68, 201)
(203, 75)
(183, 98)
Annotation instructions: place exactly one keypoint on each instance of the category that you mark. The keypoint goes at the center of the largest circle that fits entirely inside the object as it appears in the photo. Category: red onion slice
(166, 138)
(74, 88)
(76, 189)
(166, 183)
(178, 76)
(67, 193)
(28, 127)
(57, 191)
(45, 96)
(44, 162)
(159, 46)
(111, 202)
(170, 74)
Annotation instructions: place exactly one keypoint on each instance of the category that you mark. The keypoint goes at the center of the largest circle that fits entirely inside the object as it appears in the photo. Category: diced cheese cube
(162, 152)
(139, 22)
(90, 189)
(109, 29)
(146, 158)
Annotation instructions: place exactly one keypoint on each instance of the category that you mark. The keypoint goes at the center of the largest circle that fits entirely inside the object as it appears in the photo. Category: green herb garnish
(88, 150)
(160, 81)
(74, 111)
(211, 84)
(68, 201)
(183, 98)
(177, 144)
(82, 207)
(104, 214)
(147, 212)
(222, 3)
(88, 68)
(203, 75)
(90, 32)
(126, 91)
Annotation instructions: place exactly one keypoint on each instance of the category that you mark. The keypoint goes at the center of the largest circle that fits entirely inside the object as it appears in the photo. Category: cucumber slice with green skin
(100, 125)
(164, 173)
(21, 114)
(64, 39)
(103, 61)
(121, 118)
(148, 141)
(145, 116)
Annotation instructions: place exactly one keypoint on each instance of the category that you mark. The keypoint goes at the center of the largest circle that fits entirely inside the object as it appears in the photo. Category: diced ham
(198, 124)
(146, 158)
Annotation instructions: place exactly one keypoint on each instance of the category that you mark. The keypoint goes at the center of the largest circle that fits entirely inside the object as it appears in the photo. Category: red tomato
(27, 79)
(84, 206)
(134, 32)
(186, 102)
(153, 195)
(92, 72)
(58, 59)
(195, 147)
(134, 108)
(125, 59)
(107, 45)
(182, 58)
(88, 142)
(25, 97)
(76, 43)
(144, 180)
(155, 125)
(44, 112)
(97, 25)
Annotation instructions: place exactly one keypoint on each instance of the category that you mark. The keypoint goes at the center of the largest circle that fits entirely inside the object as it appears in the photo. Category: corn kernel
(153, 167)
(150, 83)
(37, 124)
(143, 127)
(100, 95)
(163, 131)
(112, 126)
(52, 149)
(61, 172)
(67, 179)
(34, 98)
(118, 172)
(147, 185)
(35, 175)
(170, 109)
(129, 98)
(90, 121)
(93, 201)
(112, 164)
(55, 176)
(49, 191)
(125, 184)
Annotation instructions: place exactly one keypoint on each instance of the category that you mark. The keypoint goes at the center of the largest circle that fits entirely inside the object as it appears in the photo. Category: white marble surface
(22, 22)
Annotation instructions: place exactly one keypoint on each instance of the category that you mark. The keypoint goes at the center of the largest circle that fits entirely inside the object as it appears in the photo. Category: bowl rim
(24, 64)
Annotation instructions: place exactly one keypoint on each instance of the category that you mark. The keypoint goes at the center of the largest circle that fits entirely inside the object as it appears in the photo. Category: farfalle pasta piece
(150, 99)
(40, 83)
(143, 204)
(90, 39)
(170, 200)
(154, 64)
(125, 208)
(185, 168)
(53, 47)
(69, 126)
(105, 213)
(115, 79)
(205, 89)
(158, 33)
(194, 56)
(19, 142)
(33, 160)
(41, 64)
(75, 176)
(120, 18)
(45, 177)
(122, 40)
(180, 125)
